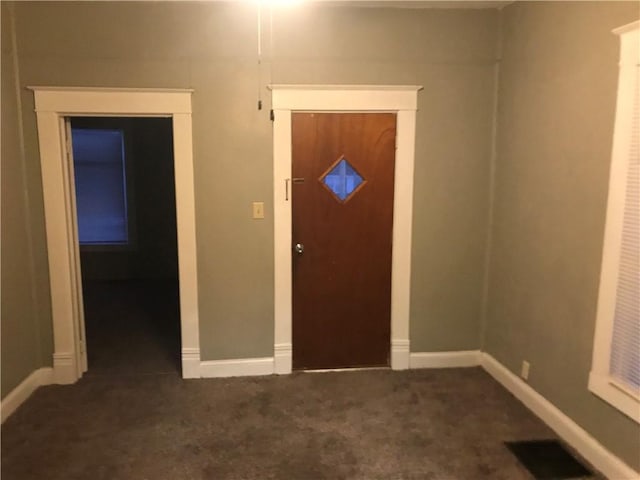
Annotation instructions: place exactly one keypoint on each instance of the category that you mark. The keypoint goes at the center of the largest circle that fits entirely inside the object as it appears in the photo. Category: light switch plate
(258, 209)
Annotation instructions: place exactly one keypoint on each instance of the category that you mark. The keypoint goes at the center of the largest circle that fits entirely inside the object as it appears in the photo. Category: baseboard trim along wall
(65, 371)
(567, 429)
(17, 396)
(239, 367)
(400, 353)
(282, 358)
(190, 363)
(464, 358)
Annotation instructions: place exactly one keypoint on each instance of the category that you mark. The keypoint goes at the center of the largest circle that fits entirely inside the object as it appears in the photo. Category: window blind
(625, 344)
(100, 186)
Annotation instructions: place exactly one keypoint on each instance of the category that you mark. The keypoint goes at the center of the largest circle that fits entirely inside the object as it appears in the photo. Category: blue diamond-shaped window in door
(342, 179)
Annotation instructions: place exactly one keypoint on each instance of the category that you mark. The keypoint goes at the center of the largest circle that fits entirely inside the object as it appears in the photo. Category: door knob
(299, 248)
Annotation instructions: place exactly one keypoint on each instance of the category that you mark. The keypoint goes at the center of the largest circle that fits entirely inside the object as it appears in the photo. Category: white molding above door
(401, 100)
(52, 105)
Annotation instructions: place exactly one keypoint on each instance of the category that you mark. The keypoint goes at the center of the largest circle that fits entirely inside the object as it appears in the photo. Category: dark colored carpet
(427, 424)
(548, 460)
(133, 417)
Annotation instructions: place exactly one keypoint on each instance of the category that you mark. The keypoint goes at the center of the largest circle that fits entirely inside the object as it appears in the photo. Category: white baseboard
(237, 367)
(190, 363)
(282, 358)
(400, 354)
(567, 429)
(17, 396)
(65, 371)
(464, 358)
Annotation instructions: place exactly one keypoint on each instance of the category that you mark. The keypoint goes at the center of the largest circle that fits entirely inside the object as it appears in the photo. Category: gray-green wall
(212, 48)
(24, 305)
(557, 96)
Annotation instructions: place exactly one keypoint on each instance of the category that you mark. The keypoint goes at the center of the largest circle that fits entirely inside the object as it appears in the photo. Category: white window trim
(401, 100)
(52, 104)
(600, 381)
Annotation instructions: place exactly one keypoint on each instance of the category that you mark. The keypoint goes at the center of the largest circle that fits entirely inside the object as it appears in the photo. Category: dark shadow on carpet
(132, 326)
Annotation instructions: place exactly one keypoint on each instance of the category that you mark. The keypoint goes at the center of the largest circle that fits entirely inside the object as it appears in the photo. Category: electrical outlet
(524, 371)
(258, 209)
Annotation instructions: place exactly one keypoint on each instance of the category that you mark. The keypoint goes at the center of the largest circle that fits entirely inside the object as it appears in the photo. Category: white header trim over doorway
(52, 105)
(403, 101)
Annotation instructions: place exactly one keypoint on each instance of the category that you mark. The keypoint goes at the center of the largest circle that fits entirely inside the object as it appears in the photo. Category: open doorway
(123, 171)
(52, 105)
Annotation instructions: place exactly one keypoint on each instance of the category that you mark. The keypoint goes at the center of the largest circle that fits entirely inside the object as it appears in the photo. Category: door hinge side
(272, 115)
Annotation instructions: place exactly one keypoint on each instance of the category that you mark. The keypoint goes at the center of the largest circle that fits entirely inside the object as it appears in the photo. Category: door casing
(53, 104)
(401, 100)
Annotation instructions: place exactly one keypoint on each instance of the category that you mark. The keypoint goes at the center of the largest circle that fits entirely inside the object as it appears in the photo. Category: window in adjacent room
(101, 186)
(615, 373)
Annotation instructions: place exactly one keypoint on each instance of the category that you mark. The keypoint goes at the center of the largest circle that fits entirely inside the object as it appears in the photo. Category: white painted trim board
(17, 396)
(464, 358)
(53, 104)
(237, 367)
(601, 382)
(401, 100)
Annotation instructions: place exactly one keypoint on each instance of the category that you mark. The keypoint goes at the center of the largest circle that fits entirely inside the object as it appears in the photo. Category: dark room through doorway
(127, 234)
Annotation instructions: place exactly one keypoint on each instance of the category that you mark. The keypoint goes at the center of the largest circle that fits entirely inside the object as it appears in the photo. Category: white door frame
(401, 100)
(52, 105)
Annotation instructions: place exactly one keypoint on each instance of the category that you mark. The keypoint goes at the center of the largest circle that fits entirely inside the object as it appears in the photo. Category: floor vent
(548, 460)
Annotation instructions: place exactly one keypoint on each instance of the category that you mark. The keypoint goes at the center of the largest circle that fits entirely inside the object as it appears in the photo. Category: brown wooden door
(343, 217)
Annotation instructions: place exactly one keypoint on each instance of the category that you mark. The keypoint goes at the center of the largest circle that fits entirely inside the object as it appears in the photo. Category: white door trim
(52, 104)
(403, 101)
